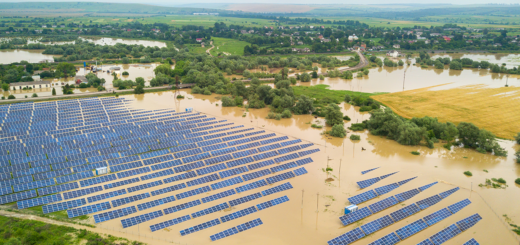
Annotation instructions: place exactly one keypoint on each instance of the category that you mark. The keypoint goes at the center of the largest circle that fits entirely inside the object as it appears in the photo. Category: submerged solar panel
(223, 234)
(238, 214)
(363, 197)
(448, 192)
(385, 189)
(444, 235)
(405, 212)
(169, 223)
(348, 237)
(430, 201)
(471, 241)
(383, 204)
(352, 217)
(377, 224)
(403, 196)
(98, 218)
(210, 210)
(366, 171)
(200, 227)
(411, 229)
(366, 183)
(459, 205)
(422, 188)
(389, 239)
(437, 216)
(468, 222)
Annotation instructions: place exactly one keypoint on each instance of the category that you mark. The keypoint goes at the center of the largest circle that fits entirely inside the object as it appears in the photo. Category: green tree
(304, 105)
(517, 138)
(305, 77)
(11, 97)
(53, 91)
(67, 69)
(455, 65)
(333, 115)
(439, 65)
(126, 60)
(468, 134)
(5, 87)
(139, 81)
(164, 69)
(227, 101)
(338, 131)
(139, 89)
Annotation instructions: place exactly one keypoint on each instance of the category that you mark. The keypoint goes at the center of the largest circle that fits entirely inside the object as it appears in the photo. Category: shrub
(316, 126)
(207, 92)
(365, 108)
(346, 118)
(3, 97)
(239, 101)
(100, 88)
(501, 181)
(517, 138)
(322, 77)
(271, 115)
(53, 91)
(11, 97)
(286, 113)
(517, 181)
(468, 173)
(278, 117)
(355, 137)
(180, 97)
(227, 101)
(416, 153)
(139, 90)
(347, 98)
(83, 85)
(357, 127)
(26, 96)
(125, 73)
(34, 95)
(196, 90)
(338, 131)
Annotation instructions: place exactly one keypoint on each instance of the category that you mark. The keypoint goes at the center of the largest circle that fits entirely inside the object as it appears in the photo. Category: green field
(196, 48)
(229, 46)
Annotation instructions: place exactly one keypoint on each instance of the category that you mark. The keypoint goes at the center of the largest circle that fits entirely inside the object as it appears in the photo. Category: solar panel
(224, 234)
(200, 227)
(422, 188)
(402, 182)
(218, 196)
(168, 189)
(238, 214)
(141, 218)
(363, 197)
(125, 200)
(366, 183)
(403, 196)
(377, 224)
(444, 235)
(106, 195)
(448, 192)
(256, 174)
(121, 183)
(17, 196)
(271, 203)
(389, 239)
(276, 189)
(405, 212)
(471, 241)
(98, 218)
(144, 186)
(251, 186)
(180, 177)
(38, 201)
(352, 217)
(366, 171)
(210, 210)
(411, 229)
(245, 199)
(154, 203)
(82, 192)
(226, 183)
(58, 188)
(169, 223)
(192, 192)
(250, 224)
(459, 205)
(348, 237)
(300, 171)
(427, 202)
(468, 222)
(88, 209)
(63, 205)
(383, 204)
(181, 207)
(280, 177)
(385, 189)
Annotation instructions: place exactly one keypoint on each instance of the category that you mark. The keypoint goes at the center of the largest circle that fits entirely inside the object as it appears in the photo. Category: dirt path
(208, 50)
(362, 63)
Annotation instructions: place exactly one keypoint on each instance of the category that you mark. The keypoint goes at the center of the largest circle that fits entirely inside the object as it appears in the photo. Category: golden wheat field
(495, 109)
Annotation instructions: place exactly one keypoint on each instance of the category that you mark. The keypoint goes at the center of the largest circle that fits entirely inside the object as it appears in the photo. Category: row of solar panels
(365, 196)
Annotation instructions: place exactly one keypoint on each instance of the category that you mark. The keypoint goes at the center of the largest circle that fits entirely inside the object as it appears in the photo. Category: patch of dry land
(495, 109)
(270, 8)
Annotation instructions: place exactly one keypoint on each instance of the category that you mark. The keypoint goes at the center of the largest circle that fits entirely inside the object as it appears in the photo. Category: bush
(207, 92)
(271, 115)
(11, 97)
(338, 131)
(347, 98)
(316, 126)
(83, 85)
(100, 88)
(416, 153)
(196, 90)
(517, 138)
(180, 97)
(3, 97)
(468, 173)
(125, 73)
(357, 127)
(501, 181)
(517, 181)
(53, 91)
(34, 95)
(286, 113)
(26, 96)
(227, 101)
(278, 117)
(139, 90)
(239, 101)
(355, 137)
(365, 108)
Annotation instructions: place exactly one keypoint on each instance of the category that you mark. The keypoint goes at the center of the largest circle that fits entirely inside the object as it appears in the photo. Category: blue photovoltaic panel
(427, 202)
(192, 192)
(218, 196)
(348, 237)
(88, 209)
(437, 216)
(385, 189)
(389, 239)
(383, 204)
(426, 242)
(141, 218)
(200, 227)
(472, 241)
(405, 212)
(304, 161)
(82, 192)
(271, 203)
(17, 196)
(226, 183)
(386, 175)
(280, 177)
(422, 188)
(459, 205)
(256, 174)
(300, 171)
(448, 192)
(468, 222)
(210, 210)
(411, 229)
(276, 189)
(403, 196)
(168, 189)
(377, 224)
(144, 186)
(180, 177)
(234, 171)
(366, 171)
(245, 199)
(106, 195)
(5, 190)
(250, 224)
(251, 186)
(39, 201)
(63, 205)
(366, 183)
(238, 214)
(363, 197)
(154, 203)
(125, 200)
(98, 218)
(352, 217)
(121, 183)
(181, 207)
(445, 235)
(402, 182)
(224, 234)
(169, 223)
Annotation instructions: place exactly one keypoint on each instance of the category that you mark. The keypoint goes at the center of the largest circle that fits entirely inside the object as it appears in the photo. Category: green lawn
(196, 48)
(231, 46)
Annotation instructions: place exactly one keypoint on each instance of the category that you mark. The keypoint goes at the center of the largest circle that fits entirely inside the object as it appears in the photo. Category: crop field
(494, 109)
(229, 46)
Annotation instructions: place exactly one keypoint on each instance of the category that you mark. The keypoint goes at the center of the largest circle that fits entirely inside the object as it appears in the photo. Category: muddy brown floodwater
(311, 215)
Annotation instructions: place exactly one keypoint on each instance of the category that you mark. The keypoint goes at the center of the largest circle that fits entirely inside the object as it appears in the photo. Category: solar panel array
(242, 227)
(368, 182)
(365, 196)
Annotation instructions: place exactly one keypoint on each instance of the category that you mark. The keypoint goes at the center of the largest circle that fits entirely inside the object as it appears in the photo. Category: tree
(68, 70)
(139, 89)
(439, 65)
(333, 115)
(449, 133)
(517, 138)
(455, 65)
(139, 81)
(338, 131)
(305, 77)
(34, 95)
(164, 69)
(347, 98)
(400, 63)
(304, 105)
(53, 91)
(126, 60)
(468, 134)
(11, 97)
(227, 101)
(5, 87)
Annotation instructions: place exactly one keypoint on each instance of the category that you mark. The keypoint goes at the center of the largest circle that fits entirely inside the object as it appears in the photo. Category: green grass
(20, 231)
(231, 46)
(196, 48)
(321, 91)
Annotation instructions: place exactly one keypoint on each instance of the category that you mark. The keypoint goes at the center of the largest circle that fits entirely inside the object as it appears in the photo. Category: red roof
(199, 39)
(447, 38)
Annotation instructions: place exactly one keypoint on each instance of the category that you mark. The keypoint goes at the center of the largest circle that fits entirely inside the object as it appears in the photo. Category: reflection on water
(296, 222)
(17, 55)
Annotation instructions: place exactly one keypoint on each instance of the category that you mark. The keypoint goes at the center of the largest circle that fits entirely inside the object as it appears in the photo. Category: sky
(180, 2)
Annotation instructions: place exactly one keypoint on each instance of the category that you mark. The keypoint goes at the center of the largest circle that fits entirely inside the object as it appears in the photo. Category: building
(36, 84)
(396, 46)
(393, 53)
(301, 50)
(80, 79)
(198, 40)
(352, 38)
(447, 39)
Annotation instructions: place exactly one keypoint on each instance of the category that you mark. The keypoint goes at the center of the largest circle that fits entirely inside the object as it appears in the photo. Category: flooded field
(311, 215)
(17, 55)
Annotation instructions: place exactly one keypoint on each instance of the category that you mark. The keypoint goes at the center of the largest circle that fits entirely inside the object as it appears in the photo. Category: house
(35, 84)
(44, 26)
(251, 31)
(393, 53)
(300, 43)
(198, 40)
(363, 45)
(243, 31)
(434, 34)
(325, 40)
(352, 38)
(320, 36)
(80, 79)
(446, 38)
(396, 46)
(202, 45)
(301, 50)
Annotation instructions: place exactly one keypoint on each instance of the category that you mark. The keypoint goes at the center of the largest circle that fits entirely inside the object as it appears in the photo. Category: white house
(36, 84)
(393, 53)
